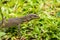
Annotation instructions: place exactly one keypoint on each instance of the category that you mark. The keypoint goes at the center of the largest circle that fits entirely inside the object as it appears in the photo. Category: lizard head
(33, 16)
(29, 17)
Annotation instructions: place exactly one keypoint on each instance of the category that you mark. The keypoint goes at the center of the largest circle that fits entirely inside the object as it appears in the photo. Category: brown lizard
(16, 21)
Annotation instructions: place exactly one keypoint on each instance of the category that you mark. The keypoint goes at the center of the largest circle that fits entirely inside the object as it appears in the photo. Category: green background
(45, 28)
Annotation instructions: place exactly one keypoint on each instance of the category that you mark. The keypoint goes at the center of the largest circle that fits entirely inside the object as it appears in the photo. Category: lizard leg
(19, 33)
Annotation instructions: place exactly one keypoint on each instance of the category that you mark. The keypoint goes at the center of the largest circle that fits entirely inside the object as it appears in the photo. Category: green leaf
(2, 34)
(58, 14)
(36, 29)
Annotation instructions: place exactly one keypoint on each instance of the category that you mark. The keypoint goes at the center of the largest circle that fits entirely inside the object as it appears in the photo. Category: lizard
(17, 21)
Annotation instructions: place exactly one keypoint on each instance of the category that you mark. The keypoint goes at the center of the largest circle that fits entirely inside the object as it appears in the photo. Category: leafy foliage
(45, 28)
